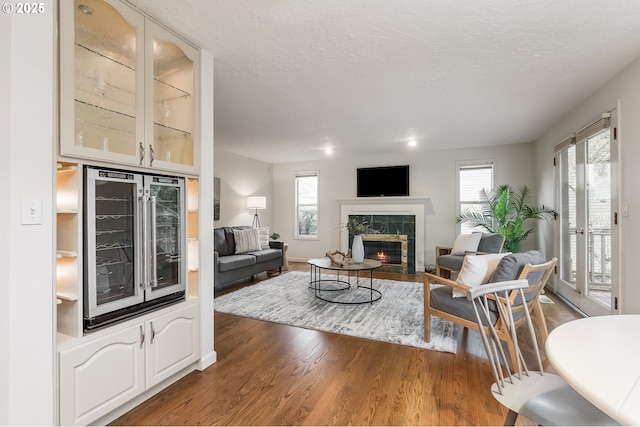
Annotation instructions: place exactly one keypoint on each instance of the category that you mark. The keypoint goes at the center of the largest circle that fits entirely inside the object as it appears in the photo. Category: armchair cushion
(510, 267)
(490, 243)
(442, 299)
(476, 270)
(466, 243)
(451, 262)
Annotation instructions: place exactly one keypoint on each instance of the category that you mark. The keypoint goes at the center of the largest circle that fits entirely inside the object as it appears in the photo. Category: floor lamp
(256, 202)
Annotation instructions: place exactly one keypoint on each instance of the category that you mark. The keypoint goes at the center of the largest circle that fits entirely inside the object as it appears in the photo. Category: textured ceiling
(366, 76)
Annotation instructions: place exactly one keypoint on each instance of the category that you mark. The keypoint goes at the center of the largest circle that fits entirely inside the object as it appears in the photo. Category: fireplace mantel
(418, 206)
(387, 201)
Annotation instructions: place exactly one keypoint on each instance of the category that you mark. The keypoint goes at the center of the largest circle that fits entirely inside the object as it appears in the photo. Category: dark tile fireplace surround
(391, 225)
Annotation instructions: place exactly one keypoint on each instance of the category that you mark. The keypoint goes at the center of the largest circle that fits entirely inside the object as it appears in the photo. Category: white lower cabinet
(99, 375)
(173, 343)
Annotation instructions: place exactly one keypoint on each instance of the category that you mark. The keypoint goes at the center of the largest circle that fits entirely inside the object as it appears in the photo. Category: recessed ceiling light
(328, 150)
(412, 143)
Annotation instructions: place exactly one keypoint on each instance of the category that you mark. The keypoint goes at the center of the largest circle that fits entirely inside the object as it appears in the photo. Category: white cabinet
(98, 375)
(128, 88)
(173, 343)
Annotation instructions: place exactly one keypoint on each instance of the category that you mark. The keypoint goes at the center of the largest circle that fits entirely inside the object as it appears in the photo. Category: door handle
(141, 336)
(141, 153)
(153, 333)
(145, 242)
(152, 155)
(154, 243)
(579, 230)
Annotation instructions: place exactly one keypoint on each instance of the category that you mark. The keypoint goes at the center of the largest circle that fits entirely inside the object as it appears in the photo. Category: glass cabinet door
(112, 240)
(102, 58)
(168, 235)
(172, 100)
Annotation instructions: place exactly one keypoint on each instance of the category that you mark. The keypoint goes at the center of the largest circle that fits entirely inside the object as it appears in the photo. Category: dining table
(600, 358)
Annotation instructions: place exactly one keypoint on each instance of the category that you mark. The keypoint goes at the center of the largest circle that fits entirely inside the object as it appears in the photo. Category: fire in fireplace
(385, 252)
(389, 249)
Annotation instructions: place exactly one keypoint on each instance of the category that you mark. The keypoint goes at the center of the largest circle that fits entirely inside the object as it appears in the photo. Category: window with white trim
(306, 205)
(473, 178)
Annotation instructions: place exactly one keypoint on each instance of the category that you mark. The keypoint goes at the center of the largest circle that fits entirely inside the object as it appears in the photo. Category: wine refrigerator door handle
(154, 245)
(145, 242)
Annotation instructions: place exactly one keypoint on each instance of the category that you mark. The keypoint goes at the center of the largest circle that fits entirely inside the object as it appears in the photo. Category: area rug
(396, 318)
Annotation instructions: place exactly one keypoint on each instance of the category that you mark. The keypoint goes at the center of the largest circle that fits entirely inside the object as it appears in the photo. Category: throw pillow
(476, 270)
(263, 232)
(466, 243)
(246, 240)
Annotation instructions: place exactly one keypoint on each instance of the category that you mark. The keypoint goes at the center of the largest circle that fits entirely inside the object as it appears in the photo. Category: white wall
(205, 208)
(27, 257)
(241, 177)
(5, 294)
(622, 90)
(432, 174)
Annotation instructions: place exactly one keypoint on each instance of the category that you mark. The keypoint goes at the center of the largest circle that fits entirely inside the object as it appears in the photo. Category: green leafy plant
(505, 213)
(357, 226)
(274, 236)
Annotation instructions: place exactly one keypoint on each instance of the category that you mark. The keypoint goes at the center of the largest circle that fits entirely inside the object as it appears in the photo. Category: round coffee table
(322, 287)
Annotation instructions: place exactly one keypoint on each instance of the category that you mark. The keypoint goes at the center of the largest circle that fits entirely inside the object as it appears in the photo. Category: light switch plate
(31, 211)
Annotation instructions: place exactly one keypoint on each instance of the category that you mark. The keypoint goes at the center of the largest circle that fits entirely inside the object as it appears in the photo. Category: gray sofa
(230, 267)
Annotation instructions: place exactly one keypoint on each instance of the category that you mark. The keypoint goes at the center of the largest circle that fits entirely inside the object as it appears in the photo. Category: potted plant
(505, 213)
(357, 227)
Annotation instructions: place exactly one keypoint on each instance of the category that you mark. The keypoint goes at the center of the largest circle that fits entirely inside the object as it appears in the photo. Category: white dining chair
(542, 397)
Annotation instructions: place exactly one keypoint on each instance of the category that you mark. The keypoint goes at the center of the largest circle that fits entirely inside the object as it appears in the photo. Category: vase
(357, 249)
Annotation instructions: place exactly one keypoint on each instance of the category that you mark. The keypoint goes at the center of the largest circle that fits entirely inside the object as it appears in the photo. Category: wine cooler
(135, 244)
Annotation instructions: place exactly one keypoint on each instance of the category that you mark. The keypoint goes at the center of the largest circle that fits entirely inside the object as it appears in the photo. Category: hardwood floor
(271, 374)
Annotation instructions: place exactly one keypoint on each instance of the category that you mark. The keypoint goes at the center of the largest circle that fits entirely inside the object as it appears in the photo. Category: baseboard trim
(207, 361)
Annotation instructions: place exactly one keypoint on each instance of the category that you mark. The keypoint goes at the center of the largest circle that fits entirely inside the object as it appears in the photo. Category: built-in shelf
(192, 255)
(66, 254)
(66, 296)
(67, 211)
(62, 168)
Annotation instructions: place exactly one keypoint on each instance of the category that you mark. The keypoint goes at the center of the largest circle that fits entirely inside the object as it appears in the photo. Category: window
(307, 205)
(472, 179)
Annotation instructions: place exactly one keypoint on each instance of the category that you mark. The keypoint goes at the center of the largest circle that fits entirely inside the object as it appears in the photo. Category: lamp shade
(257, 202)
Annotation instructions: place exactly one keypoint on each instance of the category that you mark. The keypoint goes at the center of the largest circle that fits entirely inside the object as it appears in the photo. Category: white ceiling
(365, 76)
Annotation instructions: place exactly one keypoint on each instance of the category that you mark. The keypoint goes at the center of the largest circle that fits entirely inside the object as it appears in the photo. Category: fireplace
(394, 216)
(390, 249)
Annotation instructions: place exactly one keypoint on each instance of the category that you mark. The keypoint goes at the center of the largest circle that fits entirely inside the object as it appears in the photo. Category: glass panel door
(598, 218)
(173, 101)
(167, 199)
(588, 259)
(112, 241)
(107, 72)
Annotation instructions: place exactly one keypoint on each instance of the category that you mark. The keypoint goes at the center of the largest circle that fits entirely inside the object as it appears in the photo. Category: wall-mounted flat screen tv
(383, 181)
